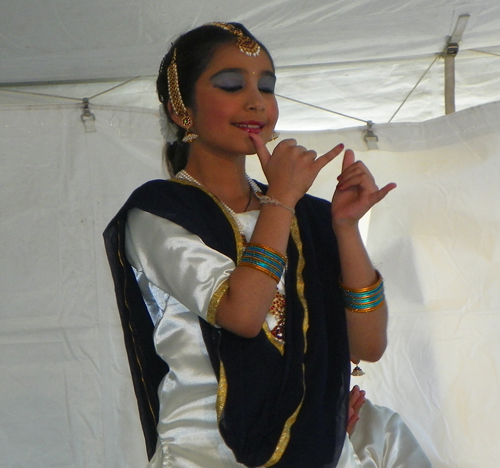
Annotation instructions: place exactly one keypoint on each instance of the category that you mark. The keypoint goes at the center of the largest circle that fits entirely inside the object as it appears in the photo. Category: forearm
(367, 331)
(243, 308)
(290, 171)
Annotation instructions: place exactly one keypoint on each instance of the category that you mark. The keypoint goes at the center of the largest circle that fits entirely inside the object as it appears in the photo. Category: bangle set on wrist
(364, 300)
(263, 258)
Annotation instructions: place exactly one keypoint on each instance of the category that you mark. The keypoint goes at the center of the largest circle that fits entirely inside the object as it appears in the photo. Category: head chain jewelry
(176, 99)
(246, 44)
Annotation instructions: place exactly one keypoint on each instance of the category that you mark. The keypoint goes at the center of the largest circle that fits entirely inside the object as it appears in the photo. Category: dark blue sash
(265, 388)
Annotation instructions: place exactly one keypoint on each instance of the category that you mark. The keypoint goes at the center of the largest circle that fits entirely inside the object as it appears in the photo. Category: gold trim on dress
(295, 232)
(285, 434)
(214, 302)
(284, 438)
(220, 402)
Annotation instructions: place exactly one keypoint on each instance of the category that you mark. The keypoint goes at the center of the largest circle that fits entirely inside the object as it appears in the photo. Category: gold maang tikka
(176, 100)
(246, 44)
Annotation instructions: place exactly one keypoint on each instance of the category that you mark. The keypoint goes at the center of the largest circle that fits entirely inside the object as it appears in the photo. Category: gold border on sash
(220, 402)
(285, 434)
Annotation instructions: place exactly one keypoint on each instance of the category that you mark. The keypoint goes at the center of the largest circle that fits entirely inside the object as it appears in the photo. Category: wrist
(267, 200)
(345, 227)
(282, 197)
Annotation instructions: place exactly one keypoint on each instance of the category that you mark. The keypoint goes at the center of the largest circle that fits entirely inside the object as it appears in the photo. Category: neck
(225, 178)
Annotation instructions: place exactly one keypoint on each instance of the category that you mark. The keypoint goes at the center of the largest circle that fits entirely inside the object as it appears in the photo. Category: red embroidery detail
(278, 309)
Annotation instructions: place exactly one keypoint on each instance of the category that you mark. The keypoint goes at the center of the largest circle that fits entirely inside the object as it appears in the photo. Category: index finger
(323, 160)
(260, 148)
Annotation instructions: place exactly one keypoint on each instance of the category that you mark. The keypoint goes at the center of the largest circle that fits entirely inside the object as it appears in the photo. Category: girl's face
(234, 96)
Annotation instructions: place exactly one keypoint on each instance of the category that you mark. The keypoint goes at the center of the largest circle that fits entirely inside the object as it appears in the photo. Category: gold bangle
(364, 300)
(362, 290)
(261, 268)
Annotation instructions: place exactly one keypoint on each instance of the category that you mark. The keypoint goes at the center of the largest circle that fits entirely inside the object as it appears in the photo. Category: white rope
(322, 108)
(413, 89)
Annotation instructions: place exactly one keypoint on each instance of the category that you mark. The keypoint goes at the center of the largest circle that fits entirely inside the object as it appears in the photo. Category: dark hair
(194, 49)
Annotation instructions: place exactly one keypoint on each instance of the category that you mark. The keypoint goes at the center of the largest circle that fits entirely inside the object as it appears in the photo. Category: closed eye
(267, 83)
(228, 80)
(230, 89)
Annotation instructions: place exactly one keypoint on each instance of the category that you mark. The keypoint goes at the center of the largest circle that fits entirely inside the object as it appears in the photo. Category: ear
(177, 119)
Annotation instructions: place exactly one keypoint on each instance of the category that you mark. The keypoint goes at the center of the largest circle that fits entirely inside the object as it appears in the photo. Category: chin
(250, 148)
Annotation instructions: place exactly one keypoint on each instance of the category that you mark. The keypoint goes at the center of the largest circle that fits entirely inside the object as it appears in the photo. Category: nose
(255, 100)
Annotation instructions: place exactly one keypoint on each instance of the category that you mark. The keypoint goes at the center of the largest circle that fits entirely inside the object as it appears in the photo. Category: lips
(250, 126)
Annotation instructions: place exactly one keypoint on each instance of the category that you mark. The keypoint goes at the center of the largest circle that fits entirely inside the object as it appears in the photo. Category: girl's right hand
(291, 169)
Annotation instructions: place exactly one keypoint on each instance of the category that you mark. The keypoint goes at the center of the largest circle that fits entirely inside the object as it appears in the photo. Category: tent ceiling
(359, 58)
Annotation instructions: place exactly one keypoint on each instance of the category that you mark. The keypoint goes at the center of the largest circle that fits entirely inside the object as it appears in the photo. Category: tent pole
(449, 53)
(449, 83)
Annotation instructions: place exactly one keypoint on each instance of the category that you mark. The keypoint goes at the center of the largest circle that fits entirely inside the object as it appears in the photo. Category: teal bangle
(366, 299)
(265, 251)
(259, 257)
(265, 259)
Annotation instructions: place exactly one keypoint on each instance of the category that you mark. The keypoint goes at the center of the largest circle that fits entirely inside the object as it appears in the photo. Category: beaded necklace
(255, 189)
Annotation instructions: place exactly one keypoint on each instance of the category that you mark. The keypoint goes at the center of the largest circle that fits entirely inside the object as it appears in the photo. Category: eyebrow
(241, 71)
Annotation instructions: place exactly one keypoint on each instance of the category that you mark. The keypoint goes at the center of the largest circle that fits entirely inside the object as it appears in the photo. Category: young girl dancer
(255, 296)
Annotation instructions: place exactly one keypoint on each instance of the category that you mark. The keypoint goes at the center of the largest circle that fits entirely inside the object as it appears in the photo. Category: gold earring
(190, 136)
(274, 136)
(357, 371)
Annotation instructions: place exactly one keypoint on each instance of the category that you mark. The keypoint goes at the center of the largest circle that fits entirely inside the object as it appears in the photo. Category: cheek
(273, 111)
(213, 112)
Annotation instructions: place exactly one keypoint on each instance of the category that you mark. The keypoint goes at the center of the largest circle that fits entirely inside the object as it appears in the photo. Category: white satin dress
(178, 275)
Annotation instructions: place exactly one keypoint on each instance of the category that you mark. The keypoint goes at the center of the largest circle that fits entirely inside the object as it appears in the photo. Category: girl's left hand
(356, 401)
(356, 192)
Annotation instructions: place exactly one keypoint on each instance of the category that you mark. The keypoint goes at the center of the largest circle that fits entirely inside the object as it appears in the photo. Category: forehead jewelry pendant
(246, 44)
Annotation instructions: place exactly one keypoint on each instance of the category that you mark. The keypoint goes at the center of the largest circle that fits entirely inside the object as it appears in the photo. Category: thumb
(381, 194)
(260, 148)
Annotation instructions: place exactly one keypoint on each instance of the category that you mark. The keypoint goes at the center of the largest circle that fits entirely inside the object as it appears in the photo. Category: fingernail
(341, 146)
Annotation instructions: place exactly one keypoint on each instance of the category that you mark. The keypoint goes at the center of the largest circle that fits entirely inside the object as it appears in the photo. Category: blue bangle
(265, 259)
(364, 300)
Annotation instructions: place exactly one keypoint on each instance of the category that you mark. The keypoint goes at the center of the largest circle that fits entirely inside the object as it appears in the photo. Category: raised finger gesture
(356, 191)
(291, 169)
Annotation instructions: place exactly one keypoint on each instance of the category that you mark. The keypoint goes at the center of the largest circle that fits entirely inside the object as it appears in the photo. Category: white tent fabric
(362, 58)
(66, 398)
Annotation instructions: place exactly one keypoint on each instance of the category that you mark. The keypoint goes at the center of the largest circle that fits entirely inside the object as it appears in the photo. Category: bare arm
(290, 171)
(356, 193)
